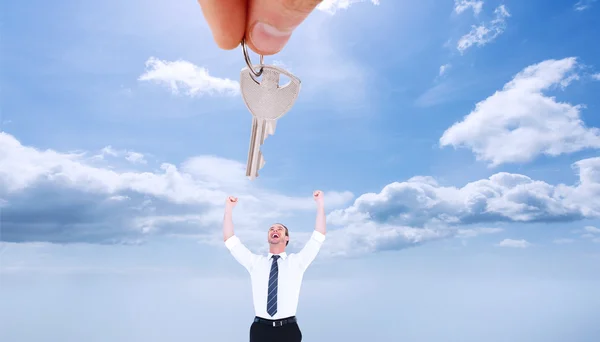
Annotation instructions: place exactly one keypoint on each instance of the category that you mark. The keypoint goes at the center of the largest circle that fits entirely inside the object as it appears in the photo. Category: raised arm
(228, 218)
(232, 242)
(313, 246)
(320, 225)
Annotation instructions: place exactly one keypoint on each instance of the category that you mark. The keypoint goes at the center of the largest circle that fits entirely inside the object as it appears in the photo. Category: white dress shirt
(291, 271)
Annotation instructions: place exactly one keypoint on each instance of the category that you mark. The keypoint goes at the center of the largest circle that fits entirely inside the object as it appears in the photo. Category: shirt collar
(282, 255)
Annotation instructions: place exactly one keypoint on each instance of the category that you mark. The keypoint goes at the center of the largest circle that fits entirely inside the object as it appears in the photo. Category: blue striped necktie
(272, 296)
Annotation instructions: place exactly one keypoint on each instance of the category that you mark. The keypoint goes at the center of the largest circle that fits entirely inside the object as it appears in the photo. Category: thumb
(271, 22)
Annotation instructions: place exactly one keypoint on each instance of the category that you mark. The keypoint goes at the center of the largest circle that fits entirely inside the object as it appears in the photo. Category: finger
(227, 20)
(271, 22)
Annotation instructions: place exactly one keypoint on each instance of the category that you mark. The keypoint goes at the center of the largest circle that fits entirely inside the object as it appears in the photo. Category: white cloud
(363, 237)
(485, 33)
(118, 198)
(592, 229)
(503, 197)
(463, 5)
(444, 68)
(108, 151)
(514, 243)
(135, 157)
(589, 232)
(191, 78)
(131, 156)
(332, 6)
(596, 76)
(519, 122)
(582, 5)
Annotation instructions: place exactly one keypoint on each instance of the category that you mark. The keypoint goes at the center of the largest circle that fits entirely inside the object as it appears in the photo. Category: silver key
(267, 101)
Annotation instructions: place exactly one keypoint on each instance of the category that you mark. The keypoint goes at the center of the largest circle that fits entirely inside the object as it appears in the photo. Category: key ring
(249, 63)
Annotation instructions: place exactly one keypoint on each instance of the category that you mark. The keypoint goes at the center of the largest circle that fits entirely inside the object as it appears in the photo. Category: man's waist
(275, 322)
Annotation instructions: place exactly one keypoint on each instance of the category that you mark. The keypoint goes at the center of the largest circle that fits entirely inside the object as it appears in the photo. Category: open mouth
(275, 235)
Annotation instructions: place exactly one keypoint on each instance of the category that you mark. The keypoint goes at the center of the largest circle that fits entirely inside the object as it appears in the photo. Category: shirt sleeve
(242, 254)
(310, 250)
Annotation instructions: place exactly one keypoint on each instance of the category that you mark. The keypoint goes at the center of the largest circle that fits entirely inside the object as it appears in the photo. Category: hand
(318, 197)
(231, 202)
(265, 24)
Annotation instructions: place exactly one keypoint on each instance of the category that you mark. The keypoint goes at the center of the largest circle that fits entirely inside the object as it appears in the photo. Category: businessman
(276, 278)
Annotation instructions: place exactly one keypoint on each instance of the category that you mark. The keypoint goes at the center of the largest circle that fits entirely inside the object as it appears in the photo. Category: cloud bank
(59, 197)
(503, 197)
(77, 197)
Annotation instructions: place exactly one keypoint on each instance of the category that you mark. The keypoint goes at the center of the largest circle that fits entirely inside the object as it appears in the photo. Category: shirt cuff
(232, 242)
(318, 236)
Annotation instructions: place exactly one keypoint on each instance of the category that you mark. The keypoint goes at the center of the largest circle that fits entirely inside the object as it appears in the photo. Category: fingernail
(268, 39)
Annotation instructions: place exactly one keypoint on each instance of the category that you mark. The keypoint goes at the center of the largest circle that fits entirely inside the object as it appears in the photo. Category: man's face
(277, 235)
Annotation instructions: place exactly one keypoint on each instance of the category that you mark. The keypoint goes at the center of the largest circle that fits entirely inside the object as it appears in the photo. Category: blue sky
(456, 142)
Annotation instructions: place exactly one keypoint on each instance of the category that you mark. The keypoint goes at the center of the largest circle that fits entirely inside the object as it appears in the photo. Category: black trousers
(262, 332)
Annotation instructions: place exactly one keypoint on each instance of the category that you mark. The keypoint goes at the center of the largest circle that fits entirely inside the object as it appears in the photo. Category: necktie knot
(275, 257)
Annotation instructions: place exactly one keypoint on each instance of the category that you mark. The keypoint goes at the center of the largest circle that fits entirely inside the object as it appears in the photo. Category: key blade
(256, 141)
(261, 161)
(269, 129)
(254, 154)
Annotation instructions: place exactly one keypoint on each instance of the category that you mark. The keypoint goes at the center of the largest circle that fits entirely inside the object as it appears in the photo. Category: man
(276, 277)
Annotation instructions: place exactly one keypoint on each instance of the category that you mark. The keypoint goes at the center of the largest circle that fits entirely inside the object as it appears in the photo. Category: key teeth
(261, 162)
(271, 125)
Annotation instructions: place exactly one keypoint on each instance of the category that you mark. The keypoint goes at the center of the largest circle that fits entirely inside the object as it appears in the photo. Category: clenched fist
(231, 202)
(318, 197)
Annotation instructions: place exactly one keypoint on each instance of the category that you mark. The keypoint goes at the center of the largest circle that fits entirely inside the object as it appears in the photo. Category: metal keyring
(249, 63)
